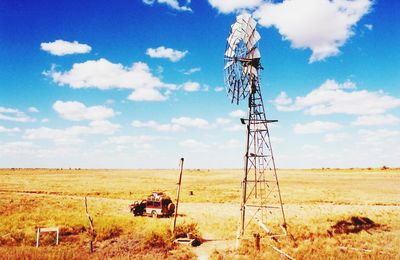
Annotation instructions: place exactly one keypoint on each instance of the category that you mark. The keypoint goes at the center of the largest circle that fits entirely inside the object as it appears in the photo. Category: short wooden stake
(257, 241)
(37, 237)
(58, 233)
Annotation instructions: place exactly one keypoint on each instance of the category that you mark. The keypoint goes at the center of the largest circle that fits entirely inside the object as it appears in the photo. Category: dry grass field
(331, 213)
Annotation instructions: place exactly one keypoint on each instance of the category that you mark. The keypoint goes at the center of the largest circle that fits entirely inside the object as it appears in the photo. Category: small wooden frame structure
(45, 230)
(184, 241)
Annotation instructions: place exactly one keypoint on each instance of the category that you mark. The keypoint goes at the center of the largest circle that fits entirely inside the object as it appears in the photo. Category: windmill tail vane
(261, 202)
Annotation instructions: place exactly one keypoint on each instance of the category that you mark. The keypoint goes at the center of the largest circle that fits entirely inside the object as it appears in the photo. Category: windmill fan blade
(243, 30)
(250, 29)
(245, 17)
(253, 39)
(250, 70)
(234, 38)
(228, 64)
(229, 52)
(242, 57)
(238, 28)
(254, 54)
(248, 25)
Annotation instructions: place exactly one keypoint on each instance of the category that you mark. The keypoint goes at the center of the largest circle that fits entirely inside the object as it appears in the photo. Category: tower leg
(245, 173)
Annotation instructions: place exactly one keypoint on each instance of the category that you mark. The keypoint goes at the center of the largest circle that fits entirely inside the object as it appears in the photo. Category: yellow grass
(315, 200)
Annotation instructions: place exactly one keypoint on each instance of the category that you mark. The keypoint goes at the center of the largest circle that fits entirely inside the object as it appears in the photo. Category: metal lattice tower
(261, 201)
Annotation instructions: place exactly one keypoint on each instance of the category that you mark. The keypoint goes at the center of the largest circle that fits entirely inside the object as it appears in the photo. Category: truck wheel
(154, 214)
(171, 208)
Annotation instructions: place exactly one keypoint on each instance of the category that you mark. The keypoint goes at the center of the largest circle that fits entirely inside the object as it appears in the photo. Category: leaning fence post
(92, 234)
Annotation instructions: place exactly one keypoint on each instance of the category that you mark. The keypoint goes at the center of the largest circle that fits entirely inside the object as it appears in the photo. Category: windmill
(261, 201)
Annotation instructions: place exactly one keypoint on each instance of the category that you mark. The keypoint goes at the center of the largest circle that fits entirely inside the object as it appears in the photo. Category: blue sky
(139, 84)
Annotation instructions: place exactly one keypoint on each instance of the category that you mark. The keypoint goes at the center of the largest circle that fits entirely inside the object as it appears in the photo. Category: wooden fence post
(92, 234)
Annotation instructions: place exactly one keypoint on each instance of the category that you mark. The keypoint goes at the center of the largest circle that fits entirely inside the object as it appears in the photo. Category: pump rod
(178, 192)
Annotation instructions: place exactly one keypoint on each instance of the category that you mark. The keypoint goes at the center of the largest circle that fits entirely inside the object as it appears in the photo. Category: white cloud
(334, 98)
(283, 99)
(44, 120)
(176, 124)
(232, 143)
(336, 137)
(148, 94)
(167, 53)
(8, 110)
(369, 26)
(190, 122)
(125, 142)
(218, 89)
(193, 144)
(277, 140)
(377, 120)
(17, 148)
(191, 71)
(103, 127)
(320, 25)
(61, 47)
(174, 4)
(229, 6)
(76, 111)
(12, 114)
(9, 130)
(33, 110)
(71, 135)
(138, 123)
(310, 148)
(378, 137)
(59, 136)
(224, 124)
(222, 121)
(131, 139)
(191, 86)
(110, 101)
(157, 126)
(103, 74)
(237, 113)
(237, 126)
(315, 127)
(234, 128)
